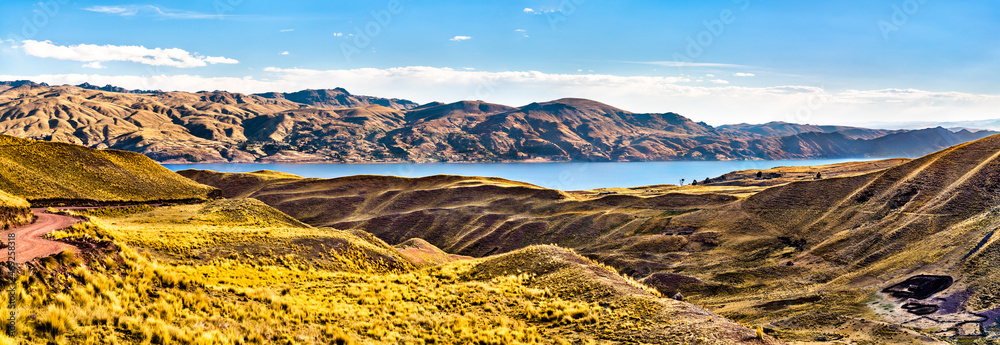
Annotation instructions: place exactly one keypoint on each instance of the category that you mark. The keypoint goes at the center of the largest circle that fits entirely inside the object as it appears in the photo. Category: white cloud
(460, 38)
(742, 74)
(719, 81)
(287, 30)
(154, 11)
(219, 59)
(534, 11)
(715, 104)
(688, 64)
(173, 57)
(338, 34)
(120, 10)
(469, 68)
(284, 53)
(522, 31)
(95, 65)
(710, 75)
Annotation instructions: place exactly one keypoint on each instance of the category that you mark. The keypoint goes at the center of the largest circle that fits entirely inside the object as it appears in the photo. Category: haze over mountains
(336, 126)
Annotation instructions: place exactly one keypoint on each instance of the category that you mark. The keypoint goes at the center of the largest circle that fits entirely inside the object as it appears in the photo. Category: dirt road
(29, 244)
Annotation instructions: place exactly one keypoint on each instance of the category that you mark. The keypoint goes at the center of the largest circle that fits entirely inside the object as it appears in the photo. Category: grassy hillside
(248, 283)
(13, 211)
(821, 251)
(37, 170)
(473, 216)
(807, 258)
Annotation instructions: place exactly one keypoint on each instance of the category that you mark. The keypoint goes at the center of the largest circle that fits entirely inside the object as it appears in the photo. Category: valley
(894, 251)
(200, 268)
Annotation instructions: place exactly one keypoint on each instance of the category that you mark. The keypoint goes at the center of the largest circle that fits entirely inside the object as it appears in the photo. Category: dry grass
(152, 294)
(13, 211)
(37, 170)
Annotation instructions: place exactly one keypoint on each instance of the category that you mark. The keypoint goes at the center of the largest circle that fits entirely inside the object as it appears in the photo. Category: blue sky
(845, 62)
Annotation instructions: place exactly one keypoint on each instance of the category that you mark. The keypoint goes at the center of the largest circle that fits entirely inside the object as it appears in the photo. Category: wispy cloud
(522, 31)
(743, 74)
(173, 57)
(719, 81)
(689, 64)
(338, 34)
(284, 53)
(155, 11)
(529, 10)
(460, 38)
(287, 30)
(94, 65)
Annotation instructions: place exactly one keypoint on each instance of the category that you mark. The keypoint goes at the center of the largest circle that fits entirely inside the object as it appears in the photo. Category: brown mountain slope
(222, 126)
(779, 129)
(338, 98)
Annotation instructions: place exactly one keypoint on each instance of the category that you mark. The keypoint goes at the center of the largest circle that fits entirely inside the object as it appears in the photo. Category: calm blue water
(564, 176)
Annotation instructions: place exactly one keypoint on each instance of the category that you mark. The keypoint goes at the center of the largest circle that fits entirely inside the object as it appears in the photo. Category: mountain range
(337, 126)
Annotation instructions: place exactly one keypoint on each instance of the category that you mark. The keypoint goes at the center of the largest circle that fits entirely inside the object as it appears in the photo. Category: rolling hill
(44, 172)
(237, 271)
(336, 126)
(810, 258)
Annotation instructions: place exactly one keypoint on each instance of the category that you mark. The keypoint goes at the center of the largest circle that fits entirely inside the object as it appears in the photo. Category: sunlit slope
(249, 281)
(13, 210)
(37, 170)
(242, 228)
(466, 215)
(238, 185)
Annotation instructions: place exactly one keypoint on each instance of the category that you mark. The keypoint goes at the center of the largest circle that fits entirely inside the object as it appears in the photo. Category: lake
(563, 176)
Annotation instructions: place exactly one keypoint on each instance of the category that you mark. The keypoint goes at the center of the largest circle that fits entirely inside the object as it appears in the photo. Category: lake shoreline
(567, 176)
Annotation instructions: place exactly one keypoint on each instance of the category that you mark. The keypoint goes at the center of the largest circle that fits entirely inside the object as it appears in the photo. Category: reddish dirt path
(29, 244)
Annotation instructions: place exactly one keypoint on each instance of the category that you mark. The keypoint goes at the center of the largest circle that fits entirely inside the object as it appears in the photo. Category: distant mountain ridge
(338, 98)
(336, 126)
(777, 129)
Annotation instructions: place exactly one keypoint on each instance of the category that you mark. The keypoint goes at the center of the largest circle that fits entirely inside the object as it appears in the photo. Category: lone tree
(694, 182)
(760, 174)
(819, 175)
(682, 182)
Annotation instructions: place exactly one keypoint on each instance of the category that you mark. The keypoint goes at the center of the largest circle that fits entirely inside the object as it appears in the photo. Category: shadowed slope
(641, 316)
(464, 215)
